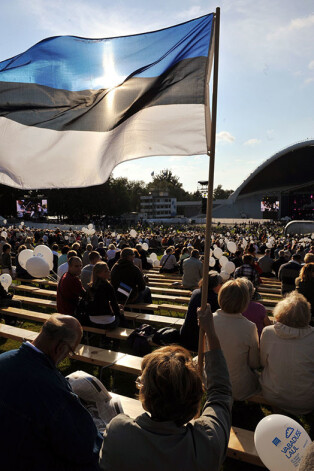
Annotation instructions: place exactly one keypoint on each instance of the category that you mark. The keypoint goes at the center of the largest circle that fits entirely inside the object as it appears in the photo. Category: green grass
(245, 415)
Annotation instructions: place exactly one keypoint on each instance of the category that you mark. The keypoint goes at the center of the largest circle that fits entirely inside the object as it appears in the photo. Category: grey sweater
(142, 443)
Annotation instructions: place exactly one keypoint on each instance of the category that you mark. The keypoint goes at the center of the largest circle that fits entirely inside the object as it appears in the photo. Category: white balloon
(145, 246)
(232, 247)
(44, 252)
(6, 280)
(280, 442)
(269, 245)
(4, 234)
(229, 267)
(212, 262)
(4, 221)
(113, 234)
(90, 226)
(22, 223)
(228, 234)
(24, 255)
(223, 260)
(92, 231)
(217, 252)
(156, 263)
(153, 256)
(37, 267)
(133, 233)
(224, 275)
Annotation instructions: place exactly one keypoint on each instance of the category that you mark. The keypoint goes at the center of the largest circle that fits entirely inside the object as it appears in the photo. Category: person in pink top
(256, 312)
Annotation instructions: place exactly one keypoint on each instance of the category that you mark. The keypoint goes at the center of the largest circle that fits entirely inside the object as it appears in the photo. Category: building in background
(158, 204)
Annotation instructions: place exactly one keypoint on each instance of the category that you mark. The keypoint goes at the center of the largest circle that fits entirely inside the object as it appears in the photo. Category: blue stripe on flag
(76, 64)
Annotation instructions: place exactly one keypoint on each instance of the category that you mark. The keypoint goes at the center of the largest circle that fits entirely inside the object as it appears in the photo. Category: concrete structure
(284, 183)
(158, 205)
(189, 209)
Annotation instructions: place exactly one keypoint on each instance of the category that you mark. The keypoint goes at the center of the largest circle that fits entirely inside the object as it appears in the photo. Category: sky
(266, 71)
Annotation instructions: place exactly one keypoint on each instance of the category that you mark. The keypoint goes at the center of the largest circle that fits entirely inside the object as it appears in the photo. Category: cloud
(252, 142)
(225, 136)
(309, 80)
(192, 12)
(176, 158)
(295, 25)
(311, 65)
(270, 134)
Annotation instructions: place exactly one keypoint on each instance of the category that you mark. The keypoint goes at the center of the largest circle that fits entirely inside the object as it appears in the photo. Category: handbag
(162, 270)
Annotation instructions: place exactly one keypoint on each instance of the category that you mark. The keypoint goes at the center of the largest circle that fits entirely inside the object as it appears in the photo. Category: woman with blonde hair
(238, 337)
(287, 355)
(304, 284)
(102, 303)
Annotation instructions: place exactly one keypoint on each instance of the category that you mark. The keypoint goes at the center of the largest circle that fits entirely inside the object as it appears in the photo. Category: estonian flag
(72, 108)
(124, 289)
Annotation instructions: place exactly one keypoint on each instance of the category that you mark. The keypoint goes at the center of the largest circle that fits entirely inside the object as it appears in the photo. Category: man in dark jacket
(125, 272)
(46, 426)
(288, 272)
(190, 331)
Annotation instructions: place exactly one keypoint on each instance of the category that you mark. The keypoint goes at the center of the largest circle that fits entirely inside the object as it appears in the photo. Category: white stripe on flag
(126, 293)
(34, 157)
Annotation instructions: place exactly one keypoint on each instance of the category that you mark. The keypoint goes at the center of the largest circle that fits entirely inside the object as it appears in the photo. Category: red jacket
(69, 290)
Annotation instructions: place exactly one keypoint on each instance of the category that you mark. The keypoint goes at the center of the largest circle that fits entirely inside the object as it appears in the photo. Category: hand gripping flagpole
(211, 145)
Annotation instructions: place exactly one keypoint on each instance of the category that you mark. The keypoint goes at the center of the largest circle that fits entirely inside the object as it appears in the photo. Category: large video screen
(270, 204)
(31, 209)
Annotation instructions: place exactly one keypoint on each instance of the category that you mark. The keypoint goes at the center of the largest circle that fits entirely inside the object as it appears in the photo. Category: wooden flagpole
(211, 138)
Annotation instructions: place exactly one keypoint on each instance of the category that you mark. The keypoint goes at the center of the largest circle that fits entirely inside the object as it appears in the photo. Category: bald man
(46, 427)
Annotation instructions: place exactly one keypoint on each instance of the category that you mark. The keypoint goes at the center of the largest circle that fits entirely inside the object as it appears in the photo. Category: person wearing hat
(189, 332)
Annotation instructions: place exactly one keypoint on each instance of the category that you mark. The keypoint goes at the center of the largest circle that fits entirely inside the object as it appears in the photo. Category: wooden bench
(119, 333)
(85, 353)
(241, 443)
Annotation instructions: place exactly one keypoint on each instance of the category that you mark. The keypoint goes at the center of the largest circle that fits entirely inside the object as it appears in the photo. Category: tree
(168, 182)
(220, 193)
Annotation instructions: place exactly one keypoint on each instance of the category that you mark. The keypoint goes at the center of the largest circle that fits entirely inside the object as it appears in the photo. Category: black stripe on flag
(102, 110)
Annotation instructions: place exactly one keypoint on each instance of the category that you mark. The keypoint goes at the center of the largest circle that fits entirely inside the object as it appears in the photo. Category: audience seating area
(168, 298)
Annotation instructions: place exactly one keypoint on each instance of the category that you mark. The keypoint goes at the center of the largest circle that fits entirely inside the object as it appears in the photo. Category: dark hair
(195, 253)
(214, 279)
(94, 256)
(65, 249)
(125, 253)
(172, 387)
(55, 247)
(71, 253)
(6, 247)
(247, 259)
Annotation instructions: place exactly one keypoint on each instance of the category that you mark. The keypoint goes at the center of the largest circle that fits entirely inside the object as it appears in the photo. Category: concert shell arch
(282, 186)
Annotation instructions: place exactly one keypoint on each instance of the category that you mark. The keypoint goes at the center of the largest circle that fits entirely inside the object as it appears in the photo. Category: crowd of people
(247, 353)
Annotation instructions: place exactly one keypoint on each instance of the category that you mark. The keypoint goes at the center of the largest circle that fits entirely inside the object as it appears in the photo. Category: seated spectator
(102, 302)
(287, 355)
(171, 390)
(168, 262)
(85, 258)
(279, 261)
(305, 284)
(288, 272)
(111, 252)
(237, 259)
(20, 271)
(86, 275)
(192, 270)
(266, 264)
(137, 260)
(64, 267)
(248, 270)
(190, 331)
(63, 257)
(124, 271)
(185, 253)
(46, 426)
(143, 256)
(256, 312)
(6, 262)
(55, 254)
(309, 258)
(102, 251)
(70, 288)
(238, 337)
